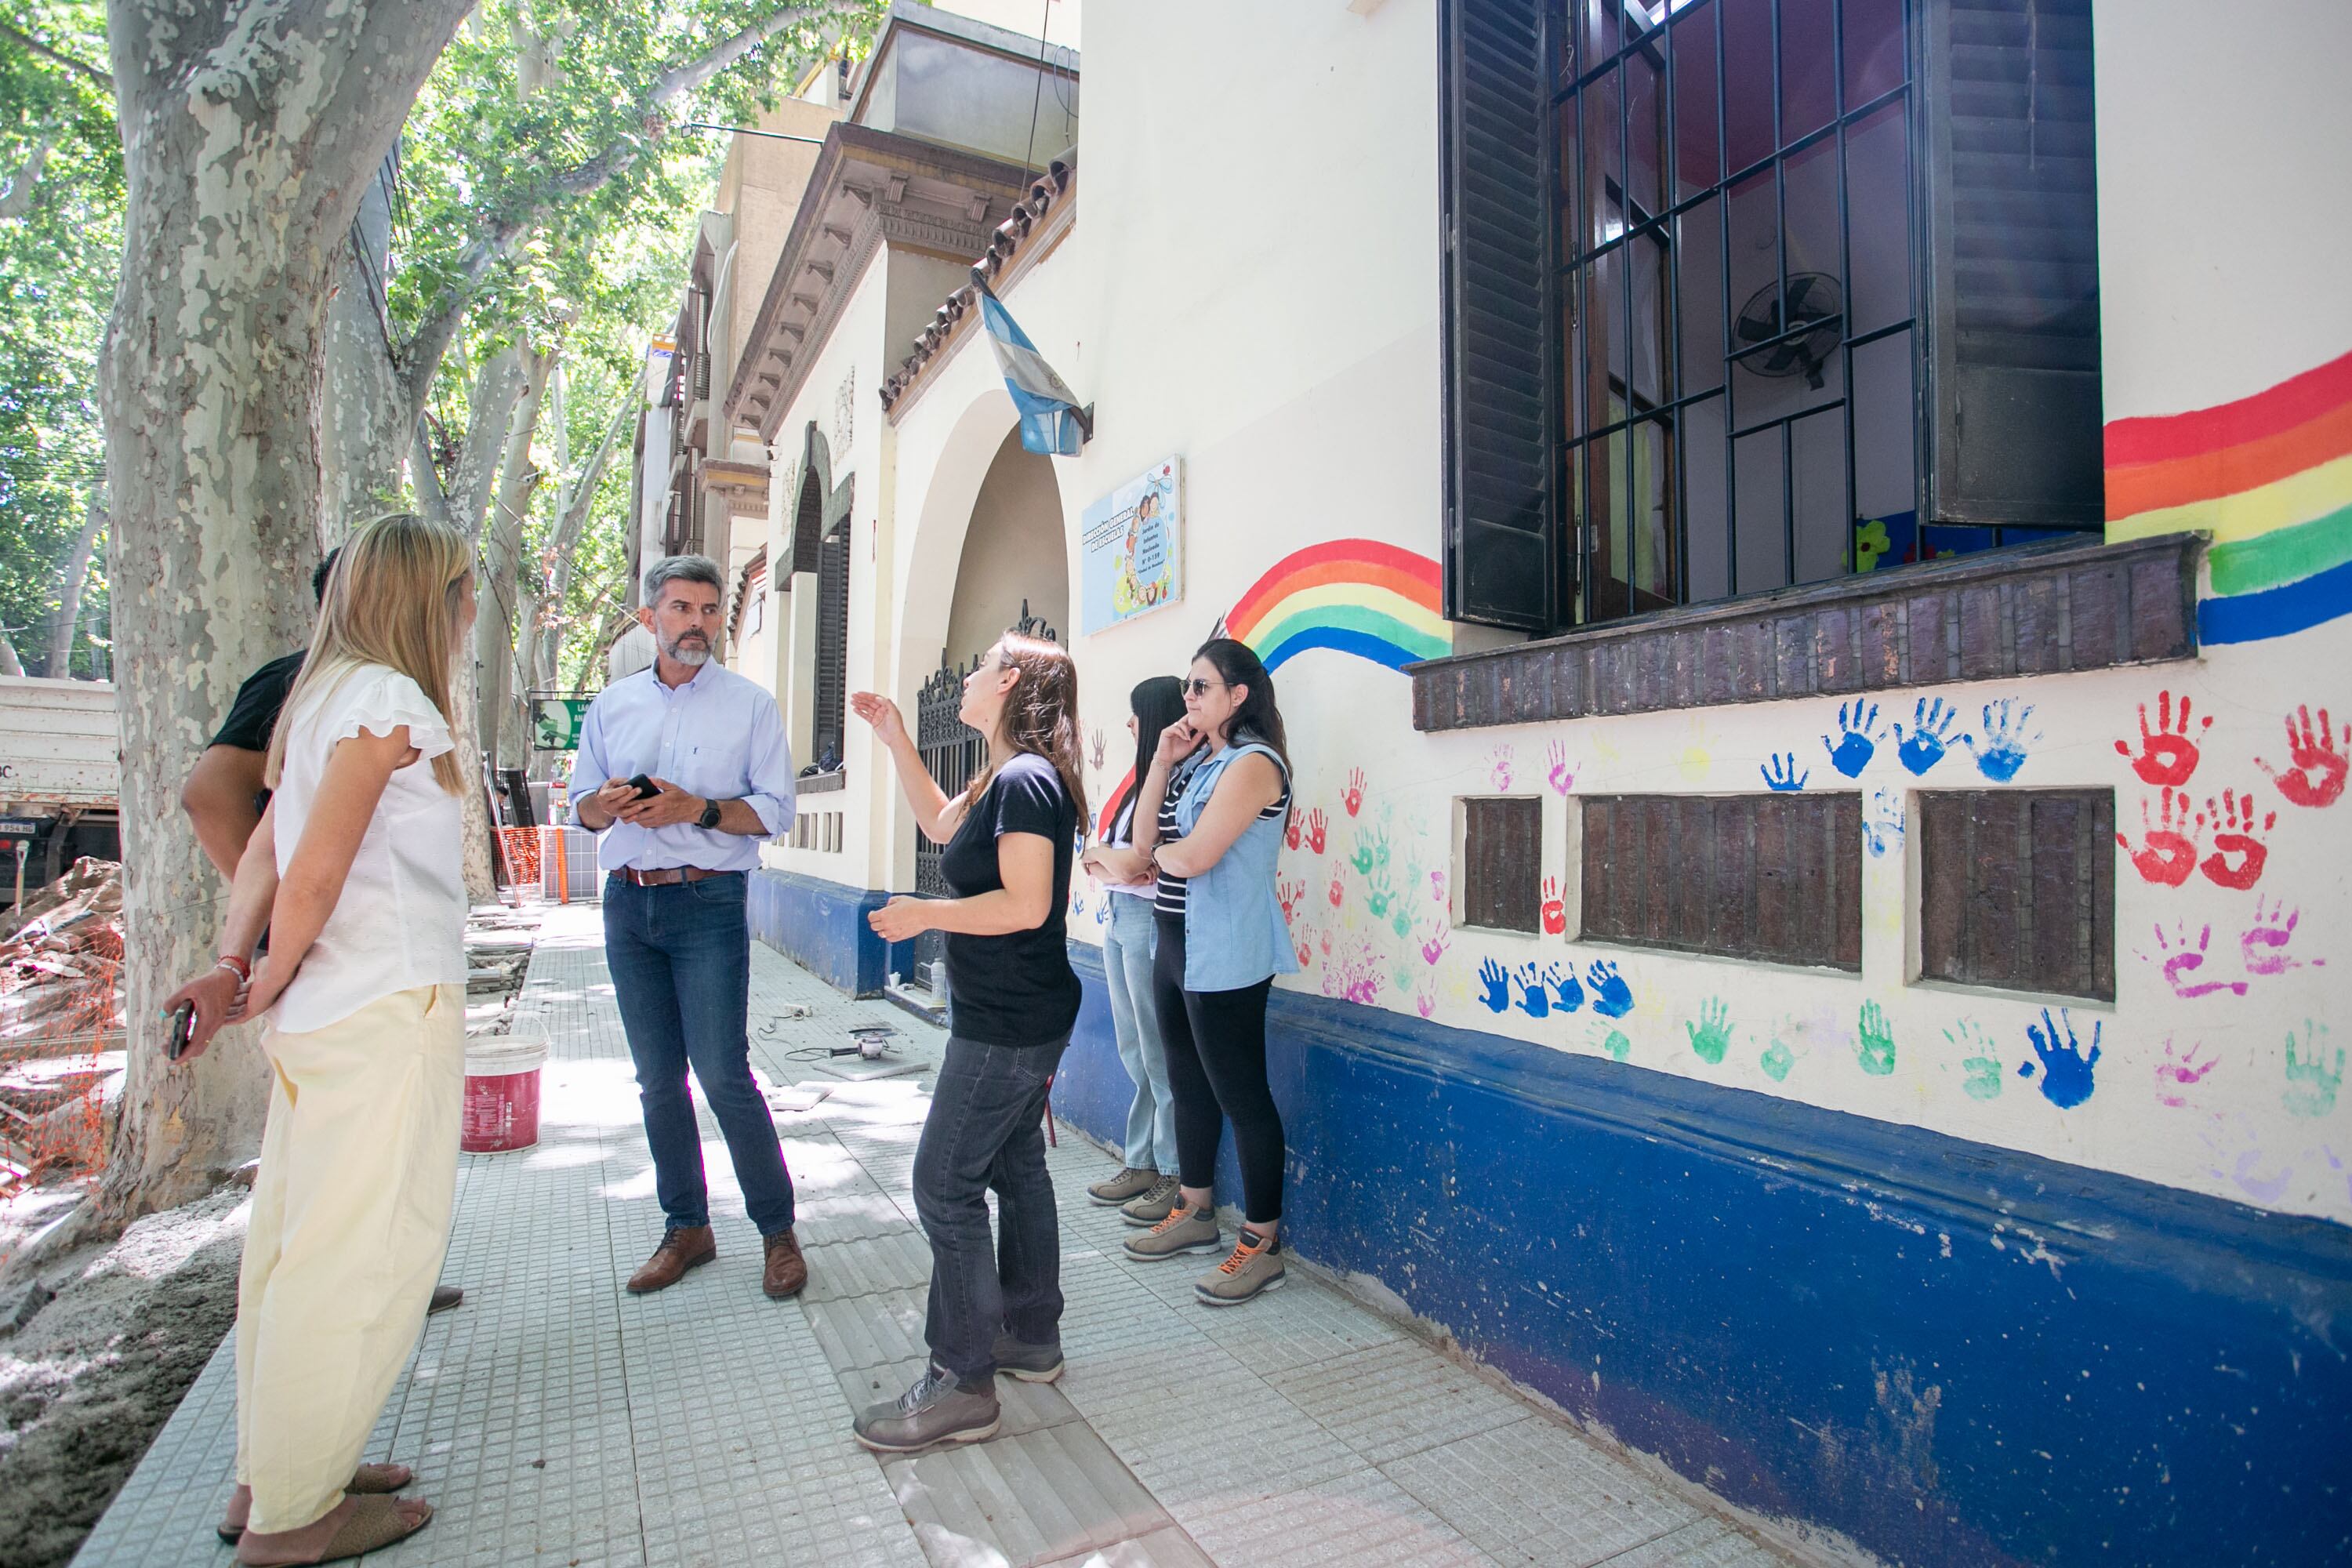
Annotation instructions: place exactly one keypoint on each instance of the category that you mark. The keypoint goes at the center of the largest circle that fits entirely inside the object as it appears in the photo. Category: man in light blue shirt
(676, 851)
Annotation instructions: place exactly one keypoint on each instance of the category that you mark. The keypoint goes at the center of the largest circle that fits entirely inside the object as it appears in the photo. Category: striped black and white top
(1169, 900)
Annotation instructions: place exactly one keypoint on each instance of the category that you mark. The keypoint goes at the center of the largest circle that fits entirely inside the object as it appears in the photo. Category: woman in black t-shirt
(1011, 997)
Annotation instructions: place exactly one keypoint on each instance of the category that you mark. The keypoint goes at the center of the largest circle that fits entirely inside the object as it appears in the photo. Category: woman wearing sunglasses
(1209, 818)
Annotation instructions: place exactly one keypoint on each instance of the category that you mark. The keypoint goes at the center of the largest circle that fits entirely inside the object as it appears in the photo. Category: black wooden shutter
(831, 644)
(2013, 430)
(1502, 556)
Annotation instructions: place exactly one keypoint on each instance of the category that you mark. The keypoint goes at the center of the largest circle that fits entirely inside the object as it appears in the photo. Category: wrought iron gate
(952, 753)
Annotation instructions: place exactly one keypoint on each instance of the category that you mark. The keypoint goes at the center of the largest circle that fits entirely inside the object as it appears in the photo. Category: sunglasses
(1202, 688)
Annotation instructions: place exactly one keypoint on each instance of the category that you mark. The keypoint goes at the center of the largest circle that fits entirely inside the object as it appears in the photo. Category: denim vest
(1234, 934)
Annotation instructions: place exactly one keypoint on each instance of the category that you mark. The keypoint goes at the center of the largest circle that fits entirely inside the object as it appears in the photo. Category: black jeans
(681, 963)
(986, 1129)
(1216, 1065)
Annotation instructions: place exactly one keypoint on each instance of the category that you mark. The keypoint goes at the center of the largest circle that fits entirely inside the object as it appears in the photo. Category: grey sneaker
(1030, 1364)
(1153, 1206)
(1254, 1267)
(1184, 1230)
(1121, 1187)
(936, 1410)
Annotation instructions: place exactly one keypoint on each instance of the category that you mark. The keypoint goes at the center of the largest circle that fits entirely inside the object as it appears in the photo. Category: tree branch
(89, 72)
(19, 199)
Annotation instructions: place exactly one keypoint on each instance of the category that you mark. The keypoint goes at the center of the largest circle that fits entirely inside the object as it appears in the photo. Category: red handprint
(1323, 940)
(2168, 844)
(1352, 797)
(1338, 890)
(2316, 775)
(2167, 755)
(2234, 830)
(1290, 828)
(1306, 947)
(1289, 893)
(1555, 913)
(1315, 826)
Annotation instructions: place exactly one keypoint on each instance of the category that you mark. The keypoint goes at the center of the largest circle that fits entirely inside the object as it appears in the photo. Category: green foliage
(58, 263)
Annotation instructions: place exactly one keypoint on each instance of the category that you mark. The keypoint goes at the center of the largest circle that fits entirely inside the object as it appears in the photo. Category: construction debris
(61, 1057)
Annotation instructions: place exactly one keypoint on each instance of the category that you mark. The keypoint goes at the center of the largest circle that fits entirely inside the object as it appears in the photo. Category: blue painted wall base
(821, 926)
(1951, 1353)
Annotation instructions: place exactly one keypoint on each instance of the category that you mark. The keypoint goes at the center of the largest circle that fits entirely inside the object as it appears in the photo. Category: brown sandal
(374, 1524)
(368, 1480)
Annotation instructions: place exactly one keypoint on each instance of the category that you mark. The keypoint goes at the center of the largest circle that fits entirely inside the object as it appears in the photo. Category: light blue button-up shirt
(718, 736)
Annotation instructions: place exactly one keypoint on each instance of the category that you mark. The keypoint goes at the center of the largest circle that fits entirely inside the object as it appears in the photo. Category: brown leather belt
(670, 877)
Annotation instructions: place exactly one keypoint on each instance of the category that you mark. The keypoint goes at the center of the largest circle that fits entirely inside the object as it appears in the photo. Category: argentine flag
(1051, 422)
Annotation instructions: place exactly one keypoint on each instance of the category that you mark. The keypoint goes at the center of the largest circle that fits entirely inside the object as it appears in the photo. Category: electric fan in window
(1809, 336)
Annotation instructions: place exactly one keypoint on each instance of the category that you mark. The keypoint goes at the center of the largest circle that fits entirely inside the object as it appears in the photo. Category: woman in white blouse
(356, 875)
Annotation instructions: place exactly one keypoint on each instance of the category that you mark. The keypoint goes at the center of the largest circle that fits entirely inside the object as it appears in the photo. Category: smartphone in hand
(646, 789)
(184, 1030)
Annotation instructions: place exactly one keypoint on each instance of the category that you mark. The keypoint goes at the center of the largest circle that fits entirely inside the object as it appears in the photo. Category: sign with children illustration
(1133, 546)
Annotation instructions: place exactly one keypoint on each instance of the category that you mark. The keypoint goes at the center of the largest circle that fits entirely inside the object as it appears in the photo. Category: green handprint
(2311, 1083)
(1401, 922)
(1405, 978)
(1711, 1034)
(1379, 895)
(1616, 1044)
(1875, 1050)
(1982, 1062)
(1363, 858)
(1778, 1059)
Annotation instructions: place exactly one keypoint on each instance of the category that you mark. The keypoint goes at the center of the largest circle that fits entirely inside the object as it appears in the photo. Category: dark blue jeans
(681, 963)
(986, 1129)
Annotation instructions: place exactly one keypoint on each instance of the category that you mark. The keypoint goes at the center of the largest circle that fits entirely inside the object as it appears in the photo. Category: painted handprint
(2167, 755)
(1535, 994)
(1982, 1062)
(1561, 775)
(1379, 895)
(1338, 892)
(2066, 1070)
(1858, 738)
(1780, 773)
(2002, 751)
(1498, 766)
(2316, 769)
(2264, 946)
(1554, 911)
(1882, 825)
(1352, 797)
(2168, 843)
(1778, 1058)
(1710, 1032)
(1323, 940)
(1425, 1002)
(1497, 995)
(1315, 826)
(1437, 886)
(1401, 976)
(1874, 1045)
(2176, 959)
(1304, 937)
(1433, 945)
(1368, 851)
(1401, 920)
(1290, 828)
(1094, 745)
(1931, 733)
(2180, 1072)
(1289, 893)
(1567, 993)
(2238, 856)
(2311, 1083)
(1612, 1043)
(1612, 997)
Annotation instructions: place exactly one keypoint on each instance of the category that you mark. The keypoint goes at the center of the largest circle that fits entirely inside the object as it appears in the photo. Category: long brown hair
(1257, 717)
(392, 600)
(1041, 713)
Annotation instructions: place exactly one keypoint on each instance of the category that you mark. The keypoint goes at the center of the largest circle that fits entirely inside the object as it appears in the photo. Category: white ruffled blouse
(400, 922)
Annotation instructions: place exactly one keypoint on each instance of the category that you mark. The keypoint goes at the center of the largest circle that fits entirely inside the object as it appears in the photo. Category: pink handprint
(2167, 755)
(1315, 830)
(2315, 778)
(2178, 960)
(1498, 766)
(1427, 1001)
(2177, 1073)
(1433, 945)
(1352, 797)
(2167, 851)
(1561, 776)
(1338, 891)
(1323, 940)
(1437, 886)
(2234, 830)
(2264, 946)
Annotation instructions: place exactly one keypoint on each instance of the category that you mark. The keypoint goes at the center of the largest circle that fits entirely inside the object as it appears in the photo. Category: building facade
(1806, 550)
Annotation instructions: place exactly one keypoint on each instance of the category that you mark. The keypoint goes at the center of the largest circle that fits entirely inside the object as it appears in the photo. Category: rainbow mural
(2269, 478)
(1352, 596)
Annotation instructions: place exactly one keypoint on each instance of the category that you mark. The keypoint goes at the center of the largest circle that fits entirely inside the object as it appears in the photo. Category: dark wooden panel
(1502, 857)
(2018, 889)
(1773, 878)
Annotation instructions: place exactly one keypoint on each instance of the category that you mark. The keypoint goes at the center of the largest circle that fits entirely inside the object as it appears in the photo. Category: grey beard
(692, 658)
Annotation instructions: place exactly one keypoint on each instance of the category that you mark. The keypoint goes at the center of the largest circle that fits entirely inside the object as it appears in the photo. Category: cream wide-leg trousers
(350, 1218)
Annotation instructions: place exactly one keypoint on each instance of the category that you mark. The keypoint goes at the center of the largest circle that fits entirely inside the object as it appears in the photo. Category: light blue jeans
(1127, 944)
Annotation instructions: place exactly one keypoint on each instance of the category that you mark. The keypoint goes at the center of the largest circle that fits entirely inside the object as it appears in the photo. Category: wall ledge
(2049, 608)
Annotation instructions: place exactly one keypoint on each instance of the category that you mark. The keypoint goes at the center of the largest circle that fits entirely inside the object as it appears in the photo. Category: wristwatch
(709, 817)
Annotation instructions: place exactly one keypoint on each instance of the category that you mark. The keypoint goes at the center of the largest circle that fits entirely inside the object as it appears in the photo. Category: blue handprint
(2065, 1070)
(1567, 995)
(1612, 997)
(1535, 1001)
(1497, 995)
(2003, 751)
(1858, 738)
(1780, 773)
(1931, 732)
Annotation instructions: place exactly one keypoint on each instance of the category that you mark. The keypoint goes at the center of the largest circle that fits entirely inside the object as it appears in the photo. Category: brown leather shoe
(787, 1270)
(679, 1250)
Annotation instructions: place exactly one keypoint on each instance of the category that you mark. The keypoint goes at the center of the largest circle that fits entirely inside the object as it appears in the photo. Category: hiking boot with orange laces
(1184, 1230)
(1254, 1267)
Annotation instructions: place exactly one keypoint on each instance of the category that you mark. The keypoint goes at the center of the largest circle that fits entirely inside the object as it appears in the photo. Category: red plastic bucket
(501, 1109)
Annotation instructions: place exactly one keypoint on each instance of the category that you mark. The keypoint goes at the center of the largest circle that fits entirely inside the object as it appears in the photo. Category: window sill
(822, 783)
(2037, 609)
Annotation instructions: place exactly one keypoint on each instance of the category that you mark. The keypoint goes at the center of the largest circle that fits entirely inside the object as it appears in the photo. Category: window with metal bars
(1818, 281)
(831, 646)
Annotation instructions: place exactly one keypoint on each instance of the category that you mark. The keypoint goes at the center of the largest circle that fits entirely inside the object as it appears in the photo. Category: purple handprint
(1498, 766)
(1562, 777)
(2178, 959)
(2264, 946)
(1432, 946)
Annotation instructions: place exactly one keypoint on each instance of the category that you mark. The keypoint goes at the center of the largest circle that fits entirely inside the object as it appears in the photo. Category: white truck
(60, 780)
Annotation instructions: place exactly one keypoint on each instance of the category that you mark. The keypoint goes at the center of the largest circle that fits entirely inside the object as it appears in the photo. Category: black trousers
(1216, 1066)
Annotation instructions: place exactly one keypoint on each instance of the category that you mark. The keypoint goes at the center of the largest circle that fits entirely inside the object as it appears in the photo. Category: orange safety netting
(526, 856)
(61, 1035)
